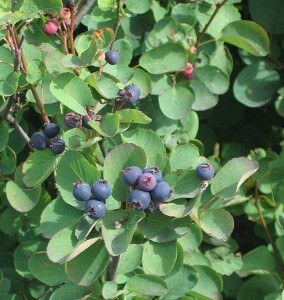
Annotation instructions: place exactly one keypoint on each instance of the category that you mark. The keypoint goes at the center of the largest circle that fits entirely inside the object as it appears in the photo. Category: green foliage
(216, 239)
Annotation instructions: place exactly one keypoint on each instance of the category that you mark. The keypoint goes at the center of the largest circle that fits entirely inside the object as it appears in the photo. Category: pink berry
(67, 22)
(188, 72)
(50, 28)
(65, 13)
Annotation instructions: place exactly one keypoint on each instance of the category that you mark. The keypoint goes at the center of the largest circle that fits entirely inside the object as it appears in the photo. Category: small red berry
(50, 28)
(188, 72)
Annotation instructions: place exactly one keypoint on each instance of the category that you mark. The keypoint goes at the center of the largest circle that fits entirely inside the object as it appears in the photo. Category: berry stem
(203, 32)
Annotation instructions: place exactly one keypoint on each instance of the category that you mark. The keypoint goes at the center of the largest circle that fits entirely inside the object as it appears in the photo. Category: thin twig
(83, 11)
(102, 147)
(112, 268)
(71, 31)
(203, 32)
(118, 22)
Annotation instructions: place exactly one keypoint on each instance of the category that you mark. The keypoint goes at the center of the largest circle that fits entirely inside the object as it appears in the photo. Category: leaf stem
(203, 32)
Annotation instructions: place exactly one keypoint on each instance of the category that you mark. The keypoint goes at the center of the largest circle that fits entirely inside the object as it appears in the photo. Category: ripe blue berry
(101, 190)
(161, 192)
(95, 209)
(112, 57)
(39, 141)
(155, 171)
(132, 93)
(139, 199)
(57, 146)
(81, 191)
(72, 120)
(205, 171)
(147, 182)
(131, 175)
(51, 130)
(86, 120)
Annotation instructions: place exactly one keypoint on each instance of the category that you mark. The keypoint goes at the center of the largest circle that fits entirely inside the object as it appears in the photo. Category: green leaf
(218, 223)
(142, 80)
(258, 261)
(36, 70)
(38, 167)
(209, 283)
(121, 157)
(164, 59)
(268, 14)
(10, 221)
(62, 244)
(192, 239)
(116, 239)
(256, 84)
(184, 157)
(32, 8)
(10, 84)
(69, 291)
(159, 259)
(230, 177)
(183, 13)
(46, 271)
(147, 285)
(214, 79)
(146, 139)
(57, 216)
(104, 84)
(125, 50)
(247, 35)
(8, 161)
(161, 229)
(109, 290)
(72, 168)
(176, 102)
(108, 126)
(23, 253)
(139, 7)
(86, 267)
(72, 61)
(130, 259)
(4, 134)
(72, 91)
(132, 116)
(178, 208)
(22, 200)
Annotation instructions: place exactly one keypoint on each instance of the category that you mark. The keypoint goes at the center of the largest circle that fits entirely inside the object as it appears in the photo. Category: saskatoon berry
(112, 57)
(121, 92)
(86, 120)
(51, 130)
(57, 146)
(139, 199)
(132, 93)
(155, 171)
(147, 182)
(50, 28)
(81, 191)
(39, 141)
(72, 120)
(205, 171)
(161, 192)
(95, 209)
(131, 175)
(65, 13)
(188, 72)
(101, 190)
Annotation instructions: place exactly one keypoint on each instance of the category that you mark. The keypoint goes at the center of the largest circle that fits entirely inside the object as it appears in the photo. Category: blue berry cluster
(148, 189)
(205, 171)
(48, 138)
(95, 197)
(73, 120)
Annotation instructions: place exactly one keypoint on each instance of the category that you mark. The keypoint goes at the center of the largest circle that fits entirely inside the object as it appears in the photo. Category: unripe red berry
(50, 28)
(65, 13)
(188, 72)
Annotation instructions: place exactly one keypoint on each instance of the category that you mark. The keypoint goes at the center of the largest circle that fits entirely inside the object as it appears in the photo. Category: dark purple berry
(57, 146)
(112, 57)
(81, 191)
(147, 182)
(205, 171)
(132, 93)
(161, 192)
(86, 120)
(101, 190)
(131, 175)
(39, 141)
(72, 120)
(155, 171)
(51, 130)
(139, 199)
(95, 209)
